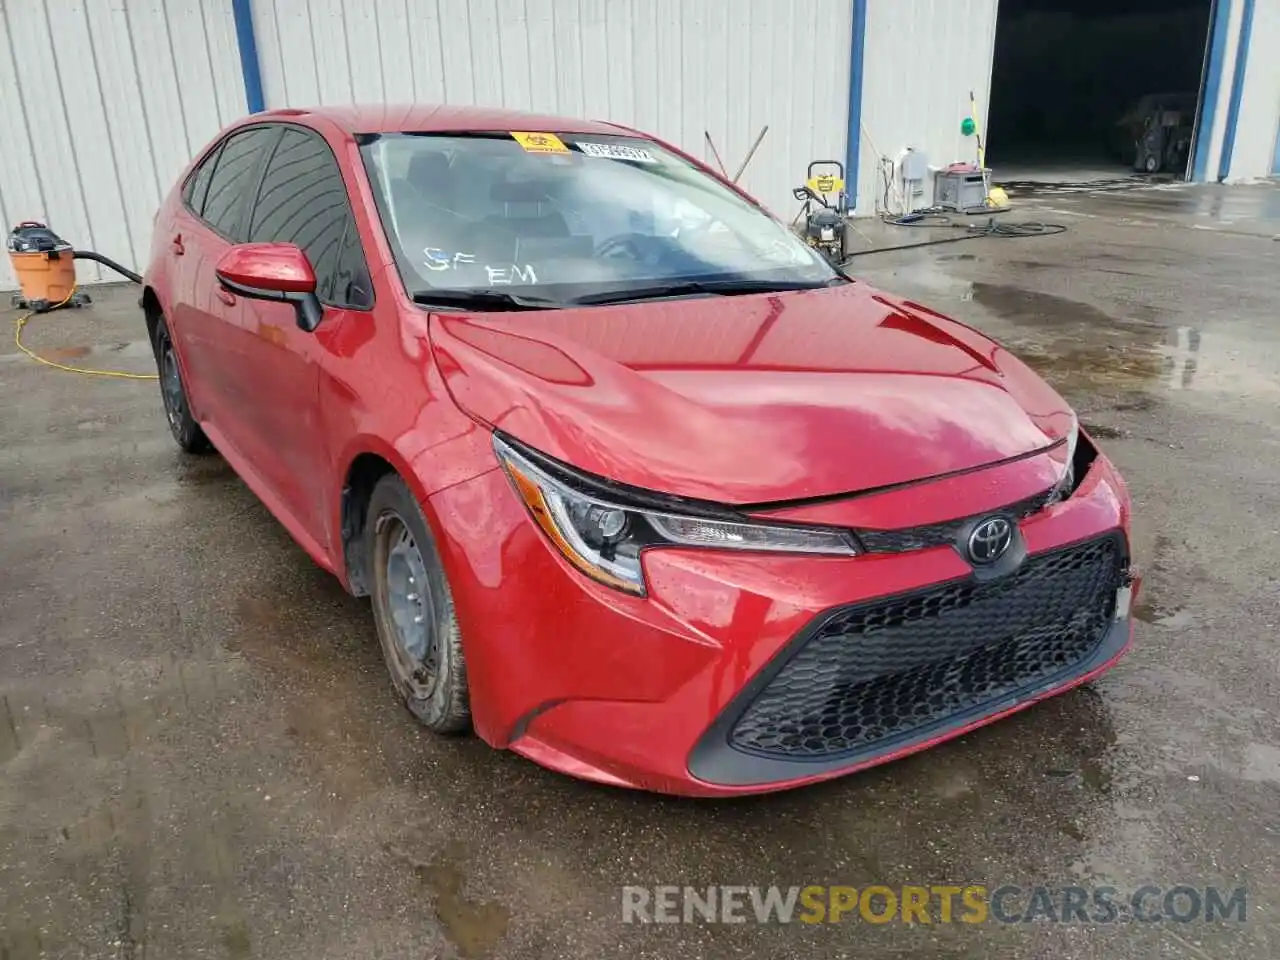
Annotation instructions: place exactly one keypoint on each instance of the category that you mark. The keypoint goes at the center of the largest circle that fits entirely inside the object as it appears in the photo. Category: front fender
(426, 468)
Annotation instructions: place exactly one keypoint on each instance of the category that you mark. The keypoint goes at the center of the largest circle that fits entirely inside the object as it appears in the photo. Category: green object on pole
(968, 127)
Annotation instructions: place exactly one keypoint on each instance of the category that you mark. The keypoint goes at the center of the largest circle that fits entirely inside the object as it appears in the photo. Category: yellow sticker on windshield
(539, 142)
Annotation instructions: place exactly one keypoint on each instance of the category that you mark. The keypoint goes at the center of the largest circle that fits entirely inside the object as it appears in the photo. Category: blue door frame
(1237, 90)
(1209, 93)
(1215, 67)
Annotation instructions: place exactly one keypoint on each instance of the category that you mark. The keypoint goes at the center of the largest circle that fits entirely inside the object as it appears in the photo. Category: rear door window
(234, 178)
(197, 187)
(303, 200)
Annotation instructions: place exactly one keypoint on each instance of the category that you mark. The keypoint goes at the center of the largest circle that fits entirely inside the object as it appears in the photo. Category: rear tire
(173, 392)
(413, 610)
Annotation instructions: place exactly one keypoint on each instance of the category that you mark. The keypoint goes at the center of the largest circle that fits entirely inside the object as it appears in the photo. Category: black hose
(107, 262)
(991, 228)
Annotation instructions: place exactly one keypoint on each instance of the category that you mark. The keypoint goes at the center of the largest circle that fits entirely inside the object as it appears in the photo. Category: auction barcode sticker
(617, 151)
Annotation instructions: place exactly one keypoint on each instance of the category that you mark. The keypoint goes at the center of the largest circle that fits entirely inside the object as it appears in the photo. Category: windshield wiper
(724, 288)
(487, 300)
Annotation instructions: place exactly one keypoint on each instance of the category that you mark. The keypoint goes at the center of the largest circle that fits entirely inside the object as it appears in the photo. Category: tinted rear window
(234, 178)
(198, 185)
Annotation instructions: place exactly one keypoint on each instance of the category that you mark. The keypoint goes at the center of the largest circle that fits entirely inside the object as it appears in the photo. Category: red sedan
(640, 487)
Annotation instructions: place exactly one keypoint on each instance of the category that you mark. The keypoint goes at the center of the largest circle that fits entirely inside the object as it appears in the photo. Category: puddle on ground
(1068, 342)
(1216, 363)
(1157, 614)
(1092, 769)
(1165, 573)
(1077, 345)
(474, 927)
(1220, 205)
(130, 349)
(1026, 189)
(66, 353)
(1020, 305)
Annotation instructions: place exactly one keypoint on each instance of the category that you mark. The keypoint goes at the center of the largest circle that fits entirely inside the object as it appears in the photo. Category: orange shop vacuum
(44, 265)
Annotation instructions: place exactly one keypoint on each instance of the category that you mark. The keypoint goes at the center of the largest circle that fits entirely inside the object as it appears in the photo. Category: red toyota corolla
(640, 487)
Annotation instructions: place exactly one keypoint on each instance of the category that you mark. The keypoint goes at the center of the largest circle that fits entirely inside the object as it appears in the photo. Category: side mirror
(273, 271)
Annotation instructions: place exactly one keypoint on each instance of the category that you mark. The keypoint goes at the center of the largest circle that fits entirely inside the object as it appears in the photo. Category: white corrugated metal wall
(103, 103)
(1258, 129)
(921, 60)
(675, 68)
(123, 92)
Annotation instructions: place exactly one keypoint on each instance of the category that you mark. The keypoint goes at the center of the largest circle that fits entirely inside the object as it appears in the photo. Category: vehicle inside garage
(1089, 90)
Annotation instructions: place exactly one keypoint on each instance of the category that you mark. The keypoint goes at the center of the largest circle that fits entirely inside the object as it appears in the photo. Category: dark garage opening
(1090, 90)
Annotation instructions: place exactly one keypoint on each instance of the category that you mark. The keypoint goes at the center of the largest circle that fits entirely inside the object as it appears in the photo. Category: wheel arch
(152, 310)
(365, 463)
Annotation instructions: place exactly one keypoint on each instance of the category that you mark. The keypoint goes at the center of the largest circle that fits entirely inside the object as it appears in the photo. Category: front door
(301, 200)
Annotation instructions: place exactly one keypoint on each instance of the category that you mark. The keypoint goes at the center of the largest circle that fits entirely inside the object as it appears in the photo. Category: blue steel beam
(853, 144)
(248, 44)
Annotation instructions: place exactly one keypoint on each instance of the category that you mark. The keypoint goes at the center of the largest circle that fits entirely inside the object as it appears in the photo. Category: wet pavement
(200, 755)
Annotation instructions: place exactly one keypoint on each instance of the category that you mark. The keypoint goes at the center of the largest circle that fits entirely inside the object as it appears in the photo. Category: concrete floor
(200, 755)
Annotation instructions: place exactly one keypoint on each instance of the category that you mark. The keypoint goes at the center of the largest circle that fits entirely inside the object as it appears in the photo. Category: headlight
(604, 539)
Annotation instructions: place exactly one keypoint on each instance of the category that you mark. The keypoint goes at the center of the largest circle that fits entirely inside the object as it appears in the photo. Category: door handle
(226, 296)
(176, 246)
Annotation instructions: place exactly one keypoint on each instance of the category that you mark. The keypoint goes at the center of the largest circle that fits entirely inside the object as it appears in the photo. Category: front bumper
(647, 692)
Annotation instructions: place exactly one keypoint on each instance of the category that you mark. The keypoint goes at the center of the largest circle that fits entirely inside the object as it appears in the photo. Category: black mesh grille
(887, 668)
(942, 534)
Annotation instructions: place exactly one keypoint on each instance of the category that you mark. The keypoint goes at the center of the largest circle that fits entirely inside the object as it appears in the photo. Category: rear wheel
(177, 411)
(413, 610)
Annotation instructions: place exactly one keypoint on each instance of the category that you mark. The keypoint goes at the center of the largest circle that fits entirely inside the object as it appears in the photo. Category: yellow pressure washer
(826, 221)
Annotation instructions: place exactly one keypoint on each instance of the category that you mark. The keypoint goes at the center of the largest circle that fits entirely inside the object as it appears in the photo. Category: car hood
(750, 399)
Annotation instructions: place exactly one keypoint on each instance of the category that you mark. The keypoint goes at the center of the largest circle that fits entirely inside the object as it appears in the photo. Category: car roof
(442, 118)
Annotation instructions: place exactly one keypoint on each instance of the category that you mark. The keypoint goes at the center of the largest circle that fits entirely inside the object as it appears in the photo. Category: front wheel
(413, 610)
(173, 392)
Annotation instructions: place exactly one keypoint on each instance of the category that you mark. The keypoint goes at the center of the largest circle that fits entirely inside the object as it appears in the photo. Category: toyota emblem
(990, 540)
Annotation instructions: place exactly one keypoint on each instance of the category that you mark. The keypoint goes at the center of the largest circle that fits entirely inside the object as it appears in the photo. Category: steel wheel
(175, 401)
(405, 594)
(173, 393)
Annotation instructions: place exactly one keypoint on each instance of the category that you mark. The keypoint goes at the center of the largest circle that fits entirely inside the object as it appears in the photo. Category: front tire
(413, 610)
(173, 392)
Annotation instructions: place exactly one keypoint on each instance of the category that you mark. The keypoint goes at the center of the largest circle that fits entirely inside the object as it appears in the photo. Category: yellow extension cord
(83, 371)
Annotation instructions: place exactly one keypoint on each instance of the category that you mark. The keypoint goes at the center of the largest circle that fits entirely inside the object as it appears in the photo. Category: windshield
(560, 218)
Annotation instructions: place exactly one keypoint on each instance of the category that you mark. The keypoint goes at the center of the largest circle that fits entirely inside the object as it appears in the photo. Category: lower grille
(888, 668)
